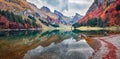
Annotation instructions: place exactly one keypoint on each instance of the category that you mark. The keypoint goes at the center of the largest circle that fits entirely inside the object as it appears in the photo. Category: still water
(51, 44)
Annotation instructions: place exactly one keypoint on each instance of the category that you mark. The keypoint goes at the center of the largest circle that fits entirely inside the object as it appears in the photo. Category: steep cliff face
(104, 9)
(100, 3)
(62, 19)
(76, 18)
(46, 9)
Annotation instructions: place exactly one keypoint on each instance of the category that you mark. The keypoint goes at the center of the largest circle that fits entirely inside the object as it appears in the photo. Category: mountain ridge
(104, 9)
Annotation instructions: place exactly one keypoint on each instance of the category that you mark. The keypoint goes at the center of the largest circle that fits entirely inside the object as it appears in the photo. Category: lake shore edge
(110, 48)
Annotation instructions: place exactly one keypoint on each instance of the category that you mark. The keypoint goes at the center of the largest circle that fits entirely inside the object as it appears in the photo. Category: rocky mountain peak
(58, 13)
(46, 9)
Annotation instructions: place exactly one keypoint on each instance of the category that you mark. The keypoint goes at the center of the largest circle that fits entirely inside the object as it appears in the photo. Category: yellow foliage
(20, 5)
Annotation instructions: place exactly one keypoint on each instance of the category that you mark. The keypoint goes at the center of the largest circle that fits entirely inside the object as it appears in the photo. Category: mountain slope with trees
(108, 11)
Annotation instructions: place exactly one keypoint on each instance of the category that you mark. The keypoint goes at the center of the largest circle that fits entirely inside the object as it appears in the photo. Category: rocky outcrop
(62, 19)
(76, 18)
(46, 9)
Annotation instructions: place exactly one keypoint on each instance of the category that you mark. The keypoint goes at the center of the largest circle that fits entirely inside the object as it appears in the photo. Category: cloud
(67, 7)
(53, 2)
(77, 6)
(59, 5)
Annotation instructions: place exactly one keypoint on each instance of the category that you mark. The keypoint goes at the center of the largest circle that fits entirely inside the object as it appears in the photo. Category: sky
(66, 7)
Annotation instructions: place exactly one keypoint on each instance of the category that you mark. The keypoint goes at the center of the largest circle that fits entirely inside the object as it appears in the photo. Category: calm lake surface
(52, 44)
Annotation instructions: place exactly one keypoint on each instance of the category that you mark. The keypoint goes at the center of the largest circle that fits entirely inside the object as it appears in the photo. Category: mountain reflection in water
(67, 49)
(52, 44)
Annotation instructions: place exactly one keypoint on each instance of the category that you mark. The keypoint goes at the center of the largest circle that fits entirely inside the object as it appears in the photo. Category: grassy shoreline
(87, 28)
(20, 29)
(83, 28)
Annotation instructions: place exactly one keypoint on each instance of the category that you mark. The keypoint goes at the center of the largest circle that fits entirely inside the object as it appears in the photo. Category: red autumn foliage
(5, 24)
(104, 12)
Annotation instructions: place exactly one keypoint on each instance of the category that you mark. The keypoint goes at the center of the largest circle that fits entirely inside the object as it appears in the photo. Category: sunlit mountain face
(102, 13)
(67, 7)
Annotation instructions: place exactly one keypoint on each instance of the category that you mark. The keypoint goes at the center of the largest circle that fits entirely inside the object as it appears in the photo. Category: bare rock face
(46, 9)
(100, 3)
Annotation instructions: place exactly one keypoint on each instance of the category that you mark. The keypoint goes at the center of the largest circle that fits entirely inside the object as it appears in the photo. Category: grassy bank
(87, 28)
